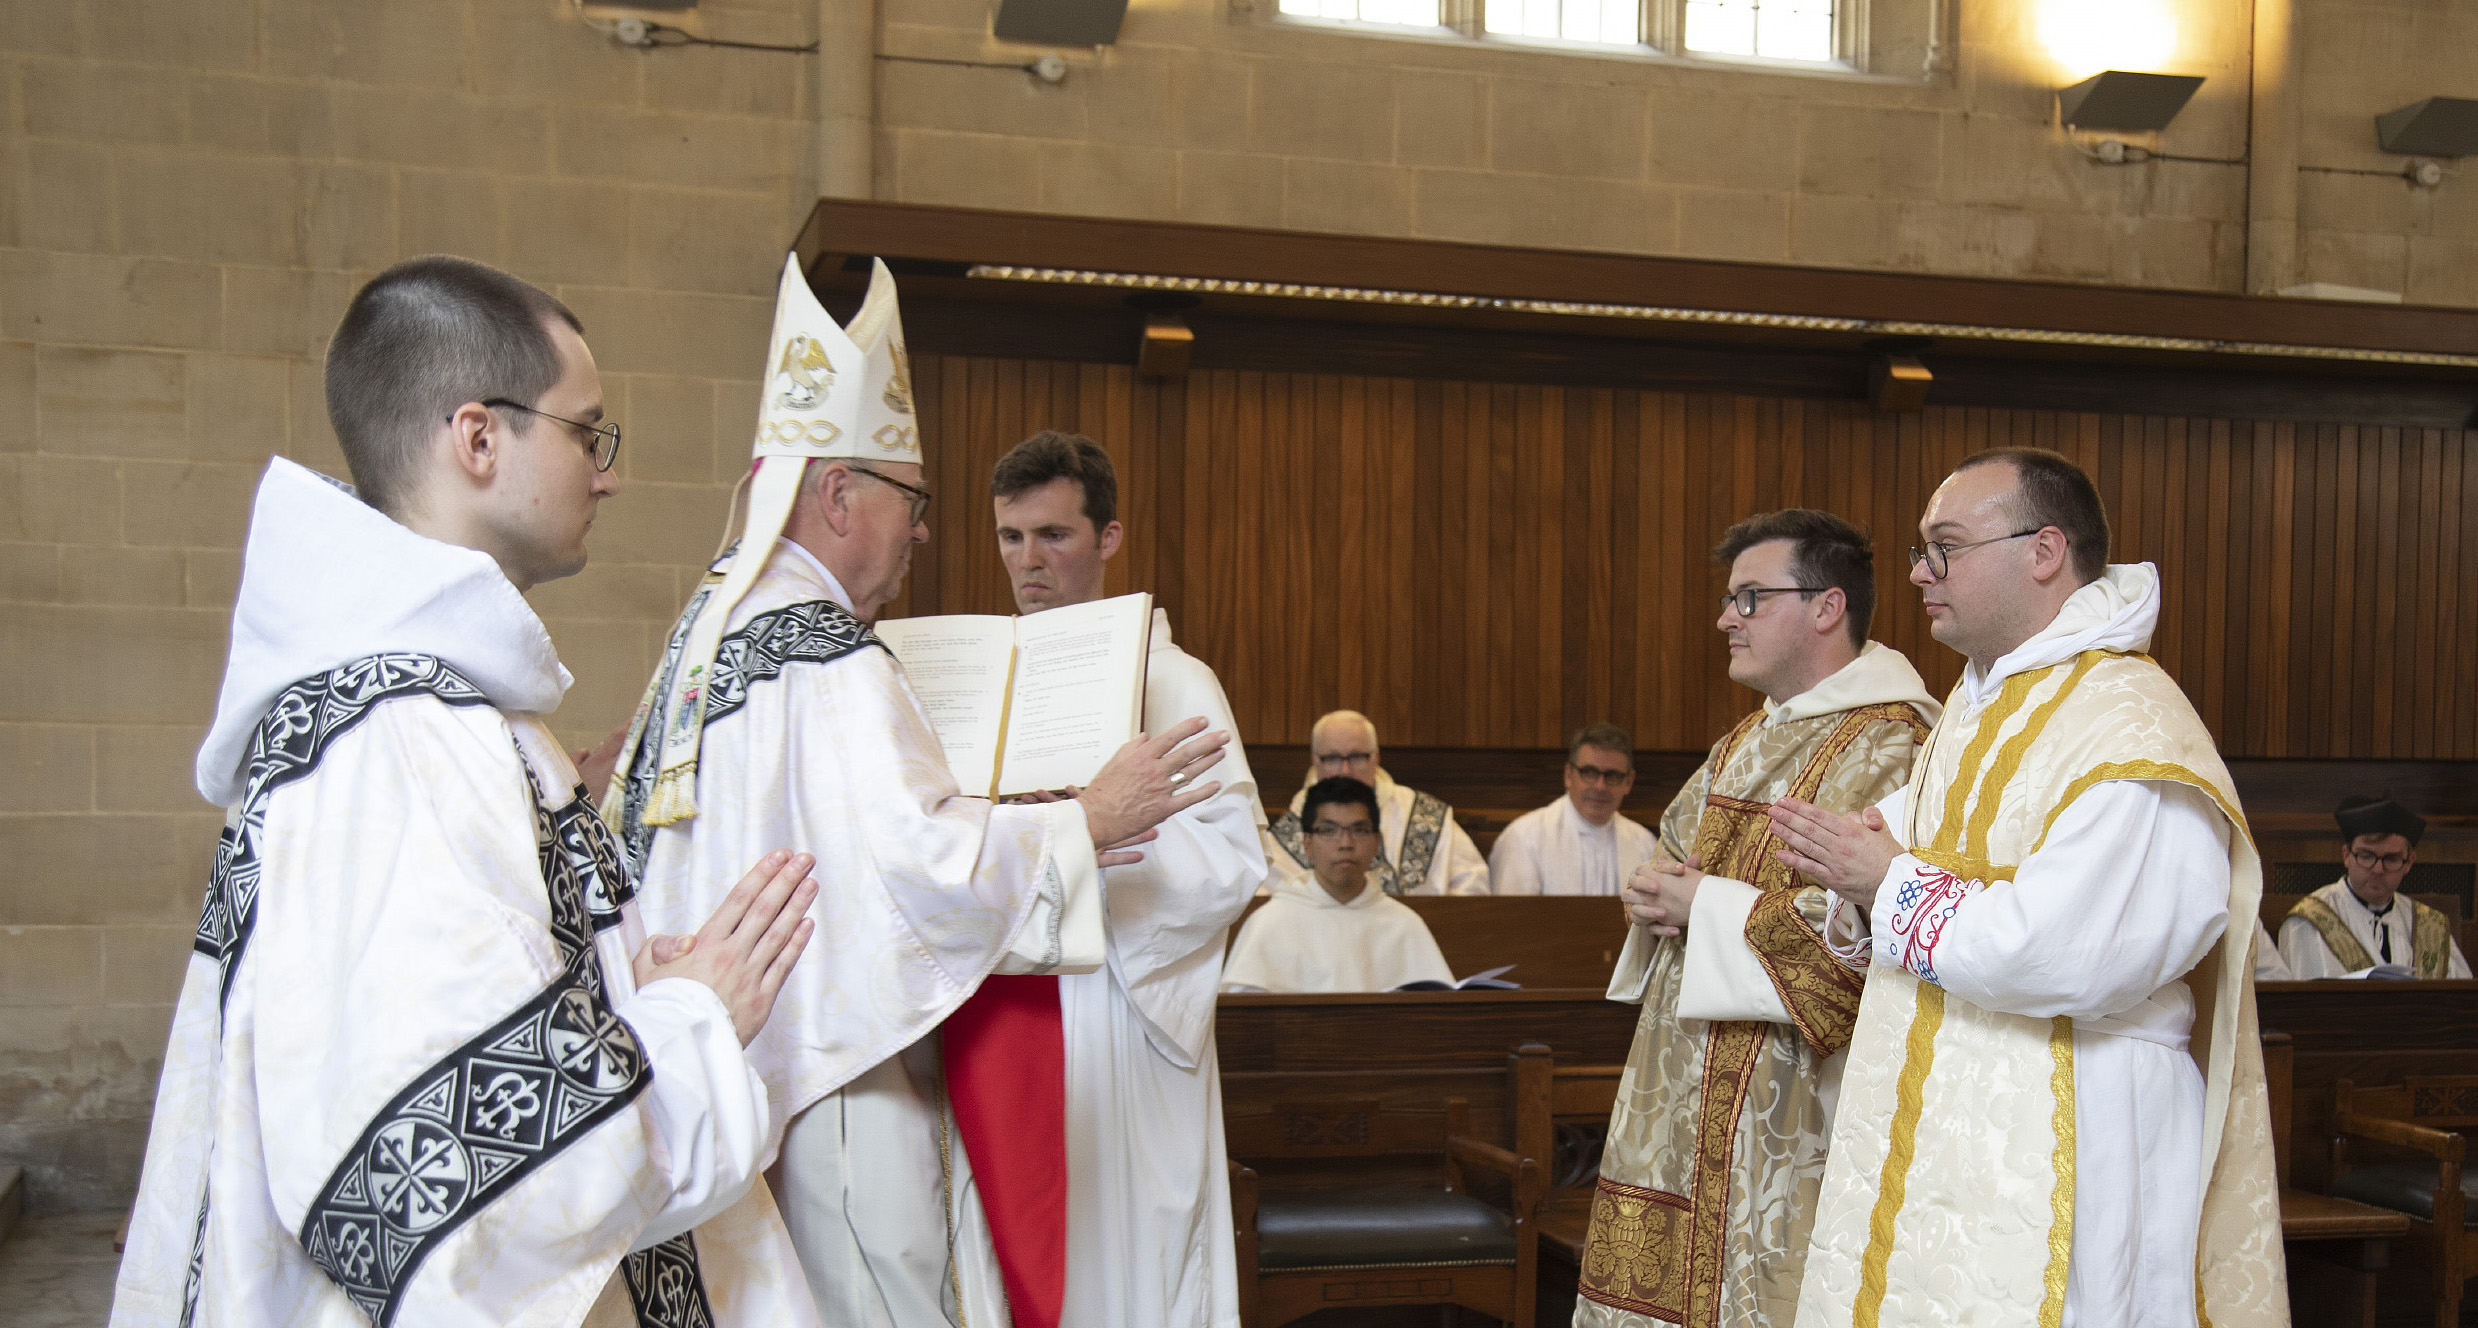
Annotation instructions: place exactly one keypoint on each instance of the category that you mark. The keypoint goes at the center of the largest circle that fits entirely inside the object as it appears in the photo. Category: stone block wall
(189, 192)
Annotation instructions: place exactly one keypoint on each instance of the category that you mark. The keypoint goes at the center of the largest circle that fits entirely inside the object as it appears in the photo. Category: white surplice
(1552, 850)
(1455, 868)
(1148, 1194)
(1303, 940)
(2309, 959)
(814, 742)
(2126, 895)
(408, 1073)
(2269, 964)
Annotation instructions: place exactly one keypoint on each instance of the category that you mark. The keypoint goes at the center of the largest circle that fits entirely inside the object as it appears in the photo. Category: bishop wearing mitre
(915, 1191)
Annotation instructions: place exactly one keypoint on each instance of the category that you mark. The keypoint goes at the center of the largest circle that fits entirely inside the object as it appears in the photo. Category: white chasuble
(1716, 1140)
(1552, 850)
(2333, 934)
(2054, 1108)
(1304, 940)
(1421, 849)
(1148, 1223)
(411, 1078)
(814, 742)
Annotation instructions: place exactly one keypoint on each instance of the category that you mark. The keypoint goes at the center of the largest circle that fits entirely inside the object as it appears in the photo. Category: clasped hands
(1848, 855)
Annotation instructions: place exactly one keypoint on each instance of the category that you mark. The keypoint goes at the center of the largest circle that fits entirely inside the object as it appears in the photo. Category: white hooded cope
(829, 392)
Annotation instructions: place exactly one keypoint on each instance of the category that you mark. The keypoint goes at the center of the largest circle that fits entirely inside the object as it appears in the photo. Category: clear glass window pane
(1777, 29)
(1409, 13)
(1607, 21)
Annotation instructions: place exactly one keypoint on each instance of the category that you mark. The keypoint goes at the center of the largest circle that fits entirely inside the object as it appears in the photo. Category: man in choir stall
(1333, 929)
(1716, 1141)
(1424, 852)
(1149, 1236)
(2347, 928)
(1579, 844)
(2053, 1107)
(922, 1178)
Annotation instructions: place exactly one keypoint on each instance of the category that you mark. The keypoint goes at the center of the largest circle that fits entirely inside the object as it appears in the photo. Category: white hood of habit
(327, 579)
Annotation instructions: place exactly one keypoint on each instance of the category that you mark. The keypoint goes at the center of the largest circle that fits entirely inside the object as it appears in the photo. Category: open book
(1031, 703)
(1487, 979)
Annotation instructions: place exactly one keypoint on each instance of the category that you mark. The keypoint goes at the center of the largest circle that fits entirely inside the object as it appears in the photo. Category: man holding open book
(923, 1179)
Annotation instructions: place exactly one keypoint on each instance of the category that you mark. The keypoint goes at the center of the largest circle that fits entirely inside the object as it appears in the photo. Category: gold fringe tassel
(674, 797)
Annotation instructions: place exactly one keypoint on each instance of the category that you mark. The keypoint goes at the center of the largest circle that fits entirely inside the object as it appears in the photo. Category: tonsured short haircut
(1340, 791)
(1053, 454)
(1827, 553)
(423, 338)
(2053, 491)
(1607, 737)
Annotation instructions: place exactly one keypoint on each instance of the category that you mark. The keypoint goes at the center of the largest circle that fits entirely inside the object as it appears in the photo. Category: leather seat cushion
(1395, 1225)
(2404, 1187)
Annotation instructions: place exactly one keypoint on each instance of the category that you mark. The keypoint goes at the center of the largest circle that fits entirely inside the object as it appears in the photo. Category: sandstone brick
(64, 500)
(168, 32)
(611, 661)
(2351, 258)
(148, 768)
(236, 407)
(670, 426)
(1100, 180)
(1567, 129)
(1299, 108)
(87, 870)
(257, 115)
(429, 127)
(1722, 141)
(403, 41)
(728, 243)
(1210, 95)
(90, 664)
(95, 402)
(186, 505)
(642, 594)
(1230, 189)
(145, 965)
(979, 100)
(34, 27)
(283, 311)
(119, 1053)
(2442, 272)
(1346, 197)
(568, 230)
(29, 573)
(121, 103)
(672, 332)
(735, 429)
(50, 965)
(964, 170)
(702, 151)
(444, 212)
(47, 767)
(96, 574)
(312, 438)
(348, 217)
(1131, 95)
(212, 579)
(541, 53)
(674, 524)
(65, 197)
(1842, 231)
(1875, 153)
(732, 82)
(1441, 119)
(1737, 225)
(222, 209)
(17, 383)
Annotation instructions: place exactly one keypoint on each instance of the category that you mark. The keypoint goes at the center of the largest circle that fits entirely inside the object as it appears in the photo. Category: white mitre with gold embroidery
(829, 392)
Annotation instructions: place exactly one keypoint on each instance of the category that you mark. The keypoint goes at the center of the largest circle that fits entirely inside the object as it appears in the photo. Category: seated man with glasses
(1422, 851)
(2347, 928)
(1333, 929)
(1577, 845)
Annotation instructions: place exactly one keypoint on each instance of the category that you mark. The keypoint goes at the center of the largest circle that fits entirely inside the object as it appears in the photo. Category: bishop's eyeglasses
(920, 497)
(602, 441)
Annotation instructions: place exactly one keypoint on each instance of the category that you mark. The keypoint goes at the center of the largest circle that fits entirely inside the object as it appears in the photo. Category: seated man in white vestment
(1423, 852)
(427, 1065)
(2053, 1108)
(1579, 844)
(1334, 930)
(914, 1071)
(1149, 1236)
(2361, 921)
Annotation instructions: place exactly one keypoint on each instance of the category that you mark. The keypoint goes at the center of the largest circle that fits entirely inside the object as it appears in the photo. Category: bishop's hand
(1661, 893)
(746, 950)
(1149, 781)
(1848, 855)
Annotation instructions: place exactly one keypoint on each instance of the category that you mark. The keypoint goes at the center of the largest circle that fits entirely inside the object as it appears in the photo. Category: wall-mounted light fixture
(2436, 127)
(2124, 100)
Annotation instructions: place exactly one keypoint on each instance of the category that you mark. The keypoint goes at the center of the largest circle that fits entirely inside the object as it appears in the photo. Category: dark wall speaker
(1061, 22)
(2436, 127)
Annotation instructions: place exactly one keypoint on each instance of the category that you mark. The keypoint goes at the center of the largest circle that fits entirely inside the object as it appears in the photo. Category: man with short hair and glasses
(2347, 928)
(1422, 852)
(1709, 1178)
(1579, 844)
(1334, 929)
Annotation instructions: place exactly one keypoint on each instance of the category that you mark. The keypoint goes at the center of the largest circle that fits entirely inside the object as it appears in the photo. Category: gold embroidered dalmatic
(1716, 1144)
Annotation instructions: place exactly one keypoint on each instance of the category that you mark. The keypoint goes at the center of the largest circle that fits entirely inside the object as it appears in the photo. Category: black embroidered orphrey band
(817, 631)
(303, 721)
(1419, 844)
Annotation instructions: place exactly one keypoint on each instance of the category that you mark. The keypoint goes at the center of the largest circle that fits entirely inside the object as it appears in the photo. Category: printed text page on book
(1079, 691)
(957, 665)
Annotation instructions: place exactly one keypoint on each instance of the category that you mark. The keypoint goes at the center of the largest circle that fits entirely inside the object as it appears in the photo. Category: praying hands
(1662, 893)
(1848, 855)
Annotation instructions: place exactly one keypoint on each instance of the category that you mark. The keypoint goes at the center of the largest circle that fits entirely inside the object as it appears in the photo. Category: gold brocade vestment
(1716, 1144)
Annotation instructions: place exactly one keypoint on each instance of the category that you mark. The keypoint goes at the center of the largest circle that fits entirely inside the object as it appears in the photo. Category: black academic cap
(2378, 816)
